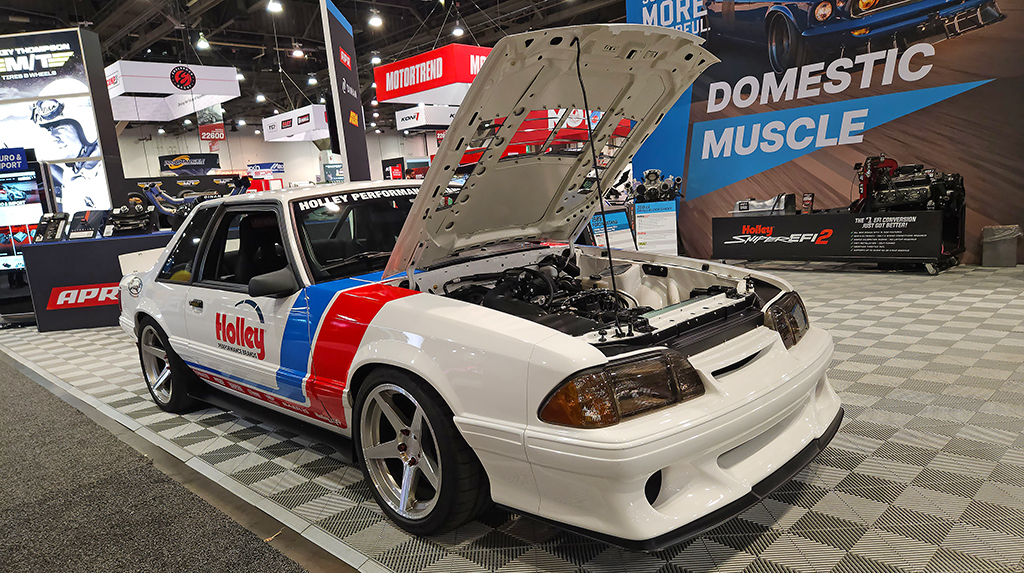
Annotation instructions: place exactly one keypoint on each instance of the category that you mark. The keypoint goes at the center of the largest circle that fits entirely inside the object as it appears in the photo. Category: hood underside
(520, 136)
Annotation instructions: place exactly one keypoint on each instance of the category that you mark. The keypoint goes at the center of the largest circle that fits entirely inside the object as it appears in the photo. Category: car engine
(553, 294)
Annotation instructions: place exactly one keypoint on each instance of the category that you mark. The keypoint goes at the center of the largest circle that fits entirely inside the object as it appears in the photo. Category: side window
(244, 245)
(179, 264)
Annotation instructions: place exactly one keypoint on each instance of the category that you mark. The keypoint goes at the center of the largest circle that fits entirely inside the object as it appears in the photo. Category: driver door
(236, 338)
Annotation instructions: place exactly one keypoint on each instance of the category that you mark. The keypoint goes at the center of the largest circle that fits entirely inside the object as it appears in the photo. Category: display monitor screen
(20, 210)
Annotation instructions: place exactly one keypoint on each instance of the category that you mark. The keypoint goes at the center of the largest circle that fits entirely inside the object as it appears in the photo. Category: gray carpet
(75, 498)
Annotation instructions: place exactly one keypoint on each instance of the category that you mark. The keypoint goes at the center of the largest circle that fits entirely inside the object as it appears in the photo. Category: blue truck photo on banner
(805, 90)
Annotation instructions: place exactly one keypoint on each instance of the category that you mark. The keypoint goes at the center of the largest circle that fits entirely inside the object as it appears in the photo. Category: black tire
(464, 490)
(786, 47)
(173, 393)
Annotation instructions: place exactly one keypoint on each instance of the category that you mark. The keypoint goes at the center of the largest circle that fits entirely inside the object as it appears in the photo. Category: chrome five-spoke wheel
(400, 449)
(422, 473)
(156, 368)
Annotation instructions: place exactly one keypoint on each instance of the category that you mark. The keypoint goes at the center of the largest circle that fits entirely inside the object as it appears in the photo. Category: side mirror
(275, 284)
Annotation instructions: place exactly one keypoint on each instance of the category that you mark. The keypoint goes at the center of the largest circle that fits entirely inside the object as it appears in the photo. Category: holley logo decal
(236, 335)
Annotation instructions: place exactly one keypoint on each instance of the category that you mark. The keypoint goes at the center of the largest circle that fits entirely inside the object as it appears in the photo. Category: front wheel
(167, 376)
(425, 477)
(786, 47)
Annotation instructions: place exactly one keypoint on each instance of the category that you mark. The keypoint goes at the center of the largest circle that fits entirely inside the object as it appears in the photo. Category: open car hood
(520, 135)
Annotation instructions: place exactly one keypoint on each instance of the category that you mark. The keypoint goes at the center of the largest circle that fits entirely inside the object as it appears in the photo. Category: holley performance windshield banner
(806, 90)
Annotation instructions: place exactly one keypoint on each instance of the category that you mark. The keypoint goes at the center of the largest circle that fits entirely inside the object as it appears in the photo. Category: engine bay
(574, 293)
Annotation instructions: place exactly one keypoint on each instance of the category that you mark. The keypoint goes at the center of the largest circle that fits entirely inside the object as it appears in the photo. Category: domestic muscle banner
(805, 91)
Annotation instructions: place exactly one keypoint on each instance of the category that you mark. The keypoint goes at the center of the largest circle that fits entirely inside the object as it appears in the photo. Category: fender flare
(403, 356)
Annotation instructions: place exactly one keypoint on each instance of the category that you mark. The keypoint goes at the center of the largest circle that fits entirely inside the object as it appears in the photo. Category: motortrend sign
(440, 76)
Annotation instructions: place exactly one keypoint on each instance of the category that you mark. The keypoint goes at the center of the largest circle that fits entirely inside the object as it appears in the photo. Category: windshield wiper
(356, 258)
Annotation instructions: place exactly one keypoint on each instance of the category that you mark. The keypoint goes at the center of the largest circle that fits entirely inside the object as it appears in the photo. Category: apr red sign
(344, 58)
(81, 296)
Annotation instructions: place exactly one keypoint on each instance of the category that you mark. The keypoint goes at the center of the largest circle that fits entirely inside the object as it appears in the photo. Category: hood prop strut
(600, 193)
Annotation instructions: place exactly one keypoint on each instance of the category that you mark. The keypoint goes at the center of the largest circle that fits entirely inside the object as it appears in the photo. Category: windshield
(348, 234)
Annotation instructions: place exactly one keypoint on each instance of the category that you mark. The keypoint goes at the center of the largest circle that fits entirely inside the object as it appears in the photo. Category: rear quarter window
(181, 262)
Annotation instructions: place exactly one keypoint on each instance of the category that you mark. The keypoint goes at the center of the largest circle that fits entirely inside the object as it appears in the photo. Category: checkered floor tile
(926, 473)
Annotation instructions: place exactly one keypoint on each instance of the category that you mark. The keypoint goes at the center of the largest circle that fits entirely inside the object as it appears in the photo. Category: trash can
(999, 246)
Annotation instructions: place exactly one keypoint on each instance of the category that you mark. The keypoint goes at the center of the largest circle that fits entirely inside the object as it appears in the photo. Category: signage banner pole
(348, 105)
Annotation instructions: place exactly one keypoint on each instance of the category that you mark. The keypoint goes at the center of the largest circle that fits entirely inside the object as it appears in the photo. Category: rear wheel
(424, 476)
(786, 47)
(167, 376)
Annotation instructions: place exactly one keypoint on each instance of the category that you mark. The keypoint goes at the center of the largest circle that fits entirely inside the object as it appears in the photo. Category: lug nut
(413, 462)
(402, 447)
(405, 432)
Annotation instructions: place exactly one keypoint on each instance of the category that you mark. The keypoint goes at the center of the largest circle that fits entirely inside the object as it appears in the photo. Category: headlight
(822, 11)
(788, 317)
(866, 5)
(605, 396)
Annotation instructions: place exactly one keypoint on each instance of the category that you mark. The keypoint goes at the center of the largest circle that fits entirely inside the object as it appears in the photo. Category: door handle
(196, 304)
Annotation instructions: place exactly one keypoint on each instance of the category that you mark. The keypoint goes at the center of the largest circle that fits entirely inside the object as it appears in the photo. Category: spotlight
(373, 124)
(239, 77)
(257, 132)
(187, 121)
(376, 131)
(161, 131)
(375, 115)
(274, 6)
(276, 112)
(260, 98)
(373, 102)
(241, 122)
(323, 99)
(373, 85)
(375, 20)
(406, 132)
(457, 31)
(202, 44)
(297, 52)
(375, 59)
(312, 80)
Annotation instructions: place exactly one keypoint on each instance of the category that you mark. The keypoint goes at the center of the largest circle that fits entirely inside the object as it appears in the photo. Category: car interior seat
(260, 250)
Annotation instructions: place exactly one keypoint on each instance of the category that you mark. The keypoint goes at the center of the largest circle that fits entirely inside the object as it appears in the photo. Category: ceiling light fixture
(312, 80)
(373, 102)
(457, 31)
(373, 85)
(375, 20)
(161, 131)
(375, 59)
(323, 99)
(239, 76)
(187, 121)
(274, 6)
(297, 51)
(375, 115)
(376, 131)
(276, 112)
(260, 98)
(257, 132)
(241, 122)
(202, 44)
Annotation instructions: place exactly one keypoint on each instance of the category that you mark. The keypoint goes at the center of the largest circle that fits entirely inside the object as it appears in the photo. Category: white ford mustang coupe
(470, 349)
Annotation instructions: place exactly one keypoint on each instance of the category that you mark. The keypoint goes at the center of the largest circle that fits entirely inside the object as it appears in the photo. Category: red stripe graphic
(341, 334)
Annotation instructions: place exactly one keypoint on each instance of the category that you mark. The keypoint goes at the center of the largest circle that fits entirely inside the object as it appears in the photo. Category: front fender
(786, 12)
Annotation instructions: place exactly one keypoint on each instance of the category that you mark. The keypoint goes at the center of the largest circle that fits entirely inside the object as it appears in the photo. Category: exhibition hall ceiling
(244, 34)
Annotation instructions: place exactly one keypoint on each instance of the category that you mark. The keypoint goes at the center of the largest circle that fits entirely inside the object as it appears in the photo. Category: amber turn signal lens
(603, 397)
(823, 11)
(583, 402)
(866, 5)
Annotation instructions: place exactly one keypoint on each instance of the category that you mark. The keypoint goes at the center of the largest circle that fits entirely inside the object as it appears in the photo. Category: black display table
(74, 283)
(927, 237)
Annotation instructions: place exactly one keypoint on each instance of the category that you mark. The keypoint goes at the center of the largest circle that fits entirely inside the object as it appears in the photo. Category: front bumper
(756, 426)
(902, 26)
